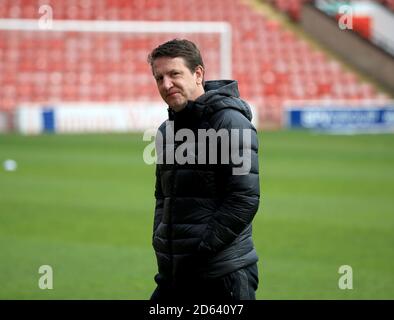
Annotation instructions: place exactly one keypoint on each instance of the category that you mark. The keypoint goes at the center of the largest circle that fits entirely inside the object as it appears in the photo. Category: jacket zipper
(170, 242)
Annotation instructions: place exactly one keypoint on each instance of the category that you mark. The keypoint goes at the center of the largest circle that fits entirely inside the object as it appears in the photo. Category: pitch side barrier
(87, 117)
(341, 117)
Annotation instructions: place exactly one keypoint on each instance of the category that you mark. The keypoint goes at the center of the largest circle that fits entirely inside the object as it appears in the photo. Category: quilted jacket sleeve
(159, 201)
(241, 191)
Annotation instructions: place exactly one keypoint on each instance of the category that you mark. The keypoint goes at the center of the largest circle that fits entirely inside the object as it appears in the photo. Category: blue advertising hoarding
(341, 119)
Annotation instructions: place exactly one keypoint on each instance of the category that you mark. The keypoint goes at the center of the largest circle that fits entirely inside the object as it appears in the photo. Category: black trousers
(238, 285)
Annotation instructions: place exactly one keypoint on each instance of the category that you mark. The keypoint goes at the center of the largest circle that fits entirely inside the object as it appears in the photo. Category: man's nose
(167, 83)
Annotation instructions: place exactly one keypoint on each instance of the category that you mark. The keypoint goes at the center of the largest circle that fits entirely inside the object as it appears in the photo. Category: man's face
(176, 83)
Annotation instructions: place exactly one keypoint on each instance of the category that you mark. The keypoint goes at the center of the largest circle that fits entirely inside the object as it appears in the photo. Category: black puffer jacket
(203, 215)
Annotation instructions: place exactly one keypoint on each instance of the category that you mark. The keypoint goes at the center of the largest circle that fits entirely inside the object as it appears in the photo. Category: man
(202, 232)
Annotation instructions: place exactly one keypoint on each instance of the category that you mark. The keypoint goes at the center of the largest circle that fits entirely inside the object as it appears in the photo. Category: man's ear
(199, 71)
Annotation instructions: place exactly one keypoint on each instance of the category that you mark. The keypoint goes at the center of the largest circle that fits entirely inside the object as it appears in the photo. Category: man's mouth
(172, 94)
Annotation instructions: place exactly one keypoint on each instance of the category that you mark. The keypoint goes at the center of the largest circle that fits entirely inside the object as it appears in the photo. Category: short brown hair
(178, 48)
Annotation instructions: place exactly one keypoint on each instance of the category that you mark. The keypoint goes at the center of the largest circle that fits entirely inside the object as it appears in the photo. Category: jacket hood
(219, 94)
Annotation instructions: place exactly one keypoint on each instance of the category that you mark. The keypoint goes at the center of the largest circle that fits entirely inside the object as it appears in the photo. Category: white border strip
(223, 28)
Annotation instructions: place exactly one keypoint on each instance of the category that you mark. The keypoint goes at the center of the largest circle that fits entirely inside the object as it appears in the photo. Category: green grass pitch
(83, 204)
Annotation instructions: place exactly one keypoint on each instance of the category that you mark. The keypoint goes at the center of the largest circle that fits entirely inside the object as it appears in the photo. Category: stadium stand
(293, 7)
(272, 64)
(362, 24)
(387, 3)
(290, 7)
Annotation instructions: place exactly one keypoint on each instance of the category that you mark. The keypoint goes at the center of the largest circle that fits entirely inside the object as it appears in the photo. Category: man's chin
(178, 108)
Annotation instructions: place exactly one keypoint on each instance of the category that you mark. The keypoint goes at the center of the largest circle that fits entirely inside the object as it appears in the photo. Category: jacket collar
(219, 94)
